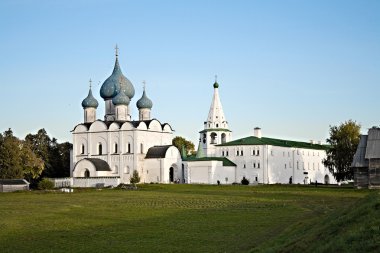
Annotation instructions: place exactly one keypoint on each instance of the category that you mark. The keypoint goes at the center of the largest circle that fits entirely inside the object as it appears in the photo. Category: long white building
(258, 159)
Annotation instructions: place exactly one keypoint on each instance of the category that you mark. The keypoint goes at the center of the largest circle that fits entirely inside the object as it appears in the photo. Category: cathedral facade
(108, 151)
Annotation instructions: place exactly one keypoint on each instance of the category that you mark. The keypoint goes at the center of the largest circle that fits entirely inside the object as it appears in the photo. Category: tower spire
(90, 83)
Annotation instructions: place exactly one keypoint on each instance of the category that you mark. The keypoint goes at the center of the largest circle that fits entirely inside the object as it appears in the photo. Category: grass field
(192, 218)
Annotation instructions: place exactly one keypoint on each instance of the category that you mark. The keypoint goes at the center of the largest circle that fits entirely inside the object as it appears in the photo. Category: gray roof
(359, 157)
(100, 165)
(13, 182)
(157, 151)
(373, 144)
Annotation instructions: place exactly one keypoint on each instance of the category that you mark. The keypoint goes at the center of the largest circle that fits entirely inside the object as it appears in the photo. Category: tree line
(32, 158)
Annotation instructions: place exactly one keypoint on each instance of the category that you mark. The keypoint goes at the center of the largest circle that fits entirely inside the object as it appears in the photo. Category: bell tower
(216, 130)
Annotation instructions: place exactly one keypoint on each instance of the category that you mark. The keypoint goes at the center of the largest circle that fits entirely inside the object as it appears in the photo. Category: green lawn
(190, 218)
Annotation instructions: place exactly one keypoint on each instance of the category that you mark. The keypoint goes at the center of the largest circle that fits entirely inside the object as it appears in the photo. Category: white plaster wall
(272, 161)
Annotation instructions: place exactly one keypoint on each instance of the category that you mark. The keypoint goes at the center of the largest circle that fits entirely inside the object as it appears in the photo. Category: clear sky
(290, 67)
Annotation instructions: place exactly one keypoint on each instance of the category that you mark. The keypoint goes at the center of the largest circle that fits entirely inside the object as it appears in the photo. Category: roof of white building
(157, 151)
(99, 164)
(13, 182)
(252, 140)
(226, 161)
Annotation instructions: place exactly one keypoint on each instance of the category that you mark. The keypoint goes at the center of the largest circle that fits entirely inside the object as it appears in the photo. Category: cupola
(89, 106)
(144, 104)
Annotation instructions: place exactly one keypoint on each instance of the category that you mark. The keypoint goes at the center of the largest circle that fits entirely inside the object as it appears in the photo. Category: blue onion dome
(116, 82)
(144, 102)
(216, 85)
(121, 99)
(90, 101)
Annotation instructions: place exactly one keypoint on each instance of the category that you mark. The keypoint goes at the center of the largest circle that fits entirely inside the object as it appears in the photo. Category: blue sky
(290, 67)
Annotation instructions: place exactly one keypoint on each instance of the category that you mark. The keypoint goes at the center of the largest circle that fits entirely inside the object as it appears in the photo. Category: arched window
(82, 149)
(217, 125)
(129, 148)
(86, 173)
(100, 149)
(213, 138)
(223, 138)
(115, 148)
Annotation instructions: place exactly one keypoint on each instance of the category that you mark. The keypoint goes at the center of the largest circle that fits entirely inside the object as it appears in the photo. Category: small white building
(11, 185)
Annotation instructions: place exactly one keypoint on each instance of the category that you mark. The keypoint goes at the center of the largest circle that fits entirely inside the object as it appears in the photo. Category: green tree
(56, 156)
(33, 166)
(181, 142)
(10, 156)
(343, 142)
(135, 178)
(17, 160)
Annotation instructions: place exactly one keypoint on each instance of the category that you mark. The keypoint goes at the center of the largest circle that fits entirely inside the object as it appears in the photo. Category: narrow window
(244, 166)
(237, 152)
(129, 147)
(227, 153)
(241, 152)
(82, 149)
(142, 148)
(217, 125)
(100, 149)
(285, 165)
(298, 165)
(115, 148)
(258, 152)
(254, 165)
(258, 165)
(222, 153)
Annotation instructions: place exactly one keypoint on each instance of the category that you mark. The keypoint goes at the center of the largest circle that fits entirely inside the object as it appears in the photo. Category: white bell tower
(216, 130)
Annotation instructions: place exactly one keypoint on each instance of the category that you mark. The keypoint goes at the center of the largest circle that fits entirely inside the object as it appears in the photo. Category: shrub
(244, 181)
(45, 184)
(135, 178)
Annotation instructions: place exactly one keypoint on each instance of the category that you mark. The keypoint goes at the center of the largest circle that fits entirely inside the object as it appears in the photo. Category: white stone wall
(209, 172)
(272, 164)
(123, 147)
(92, 182)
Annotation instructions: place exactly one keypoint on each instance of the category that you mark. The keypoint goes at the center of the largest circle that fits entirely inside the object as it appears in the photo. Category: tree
(10, 156)
(56, 156)
(181, 142)
(135, 178)
(343, 142)
(17, 160)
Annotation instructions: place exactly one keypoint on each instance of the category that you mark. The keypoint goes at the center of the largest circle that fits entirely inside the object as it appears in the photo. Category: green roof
(215, 130)
(226, 161)
(252, 140)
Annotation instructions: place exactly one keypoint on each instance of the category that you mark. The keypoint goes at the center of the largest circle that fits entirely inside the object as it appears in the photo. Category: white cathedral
(108, 151)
